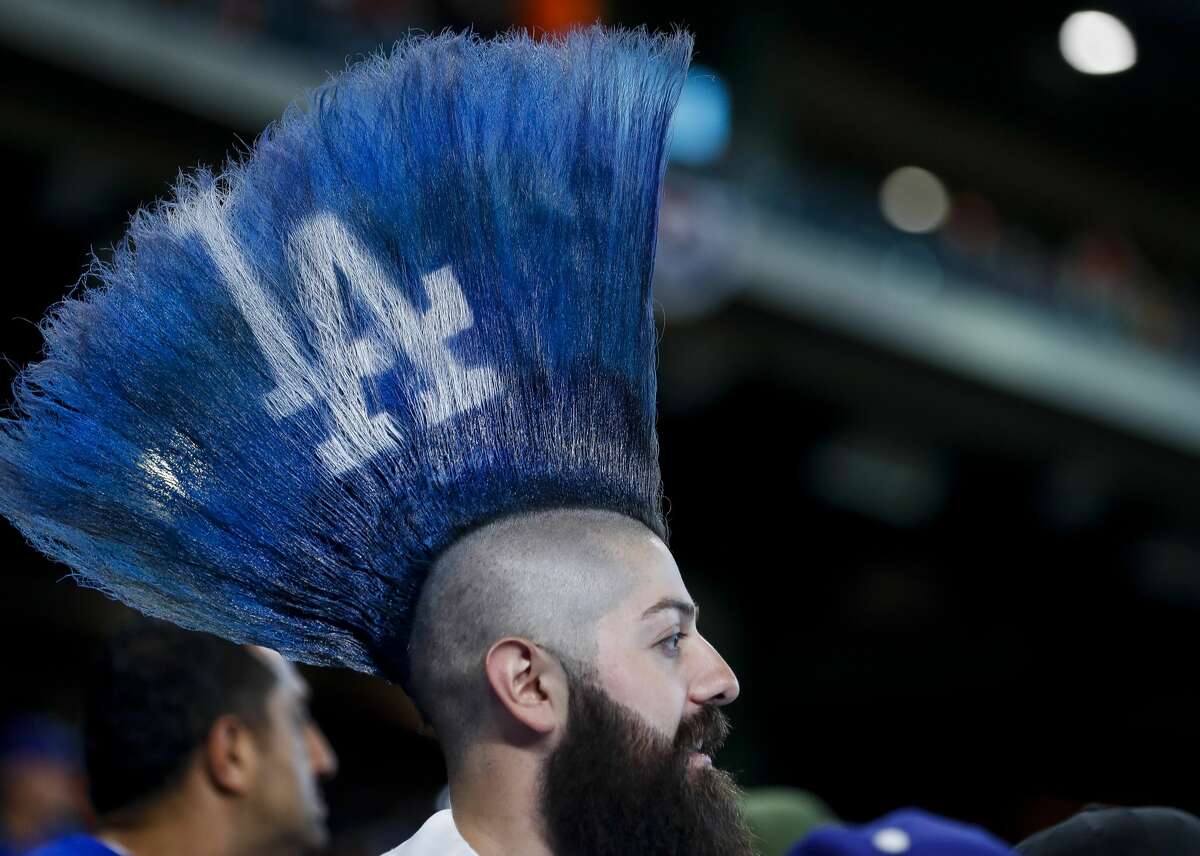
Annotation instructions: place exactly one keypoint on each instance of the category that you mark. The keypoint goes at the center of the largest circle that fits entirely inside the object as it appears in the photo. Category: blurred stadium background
(930, 378)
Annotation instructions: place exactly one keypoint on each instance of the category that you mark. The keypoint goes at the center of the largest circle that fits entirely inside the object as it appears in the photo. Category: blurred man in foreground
(197, 746)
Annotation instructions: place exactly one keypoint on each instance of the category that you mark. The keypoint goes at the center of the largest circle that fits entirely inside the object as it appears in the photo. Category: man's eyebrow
(686, 608)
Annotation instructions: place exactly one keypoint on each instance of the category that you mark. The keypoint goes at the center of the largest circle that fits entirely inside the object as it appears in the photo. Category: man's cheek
(624, 683)
(665, 717)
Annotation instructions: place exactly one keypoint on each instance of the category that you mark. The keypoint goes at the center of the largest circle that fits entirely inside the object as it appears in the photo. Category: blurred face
(42, 798)
(296, 756)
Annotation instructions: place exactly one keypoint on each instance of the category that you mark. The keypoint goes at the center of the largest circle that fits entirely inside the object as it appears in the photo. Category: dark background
(943, 581)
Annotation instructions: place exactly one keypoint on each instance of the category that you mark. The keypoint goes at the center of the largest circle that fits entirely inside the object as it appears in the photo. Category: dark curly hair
(152, 697)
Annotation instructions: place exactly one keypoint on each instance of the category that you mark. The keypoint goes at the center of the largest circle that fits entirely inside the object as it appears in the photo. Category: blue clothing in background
(910, 832)
(74, 845)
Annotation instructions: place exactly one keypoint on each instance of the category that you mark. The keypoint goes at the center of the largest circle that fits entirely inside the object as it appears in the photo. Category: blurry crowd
(1097, 279)
(311, 24)
(341, 27)
(191, 744)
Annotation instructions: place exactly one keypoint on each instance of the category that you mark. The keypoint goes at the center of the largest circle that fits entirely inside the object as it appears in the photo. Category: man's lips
(702, 736)
(699, 759)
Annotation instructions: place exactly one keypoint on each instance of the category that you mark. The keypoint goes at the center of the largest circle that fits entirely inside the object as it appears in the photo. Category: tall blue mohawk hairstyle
(420, 303)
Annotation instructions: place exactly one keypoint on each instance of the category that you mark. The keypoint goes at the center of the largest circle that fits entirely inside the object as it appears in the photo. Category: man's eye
(671, 643)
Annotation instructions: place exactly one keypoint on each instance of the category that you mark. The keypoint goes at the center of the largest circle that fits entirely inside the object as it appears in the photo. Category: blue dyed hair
(422, 302)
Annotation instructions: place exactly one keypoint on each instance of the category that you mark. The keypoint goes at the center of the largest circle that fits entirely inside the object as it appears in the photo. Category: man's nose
(320, 753)
(715, 682)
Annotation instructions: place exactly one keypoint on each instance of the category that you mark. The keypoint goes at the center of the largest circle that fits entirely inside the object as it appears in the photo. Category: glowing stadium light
(914, 200)
(1097, 43)
(701, 125)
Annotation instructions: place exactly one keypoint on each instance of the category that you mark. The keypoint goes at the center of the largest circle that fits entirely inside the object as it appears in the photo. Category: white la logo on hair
(317, 249)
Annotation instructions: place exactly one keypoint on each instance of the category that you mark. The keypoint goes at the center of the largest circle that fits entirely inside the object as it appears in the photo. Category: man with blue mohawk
(382, 396)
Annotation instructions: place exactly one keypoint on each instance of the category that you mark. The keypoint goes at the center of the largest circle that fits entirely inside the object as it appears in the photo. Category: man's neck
(153, 841)
(494, 799)
(177, 826)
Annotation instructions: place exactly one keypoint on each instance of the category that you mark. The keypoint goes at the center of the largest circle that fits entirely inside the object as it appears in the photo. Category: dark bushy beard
(616, 786)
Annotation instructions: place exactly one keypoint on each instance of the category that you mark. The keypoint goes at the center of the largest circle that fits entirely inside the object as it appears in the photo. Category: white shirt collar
(438, 837)
(113, 846)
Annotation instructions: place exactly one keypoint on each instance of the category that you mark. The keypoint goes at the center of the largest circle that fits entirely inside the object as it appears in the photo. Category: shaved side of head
(547, 577)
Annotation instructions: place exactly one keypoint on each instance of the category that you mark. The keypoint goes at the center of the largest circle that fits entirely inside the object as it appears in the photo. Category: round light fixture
(914, 200)
(1097, 43)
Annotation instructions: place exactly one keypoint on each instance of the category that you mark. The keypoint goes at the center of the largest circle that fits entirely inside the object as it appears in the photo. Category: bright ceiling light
(1097, 43)
(914, 200)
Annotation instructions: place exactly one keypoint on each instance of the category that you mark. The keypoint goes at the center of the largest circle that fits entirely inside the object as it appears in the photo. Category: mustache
(707, 730)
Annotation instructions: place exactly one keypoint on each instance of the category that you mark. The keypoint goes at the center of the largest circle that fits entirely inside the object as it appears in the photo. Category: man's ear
(529, 683)
(230, 755)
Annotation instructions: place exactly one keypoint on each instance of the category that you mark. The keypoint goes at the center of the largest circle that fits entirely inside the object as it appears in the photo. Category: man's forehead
(655, 594)
(285, 673)
(661, 589)
(655, 581)
(642, 561)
